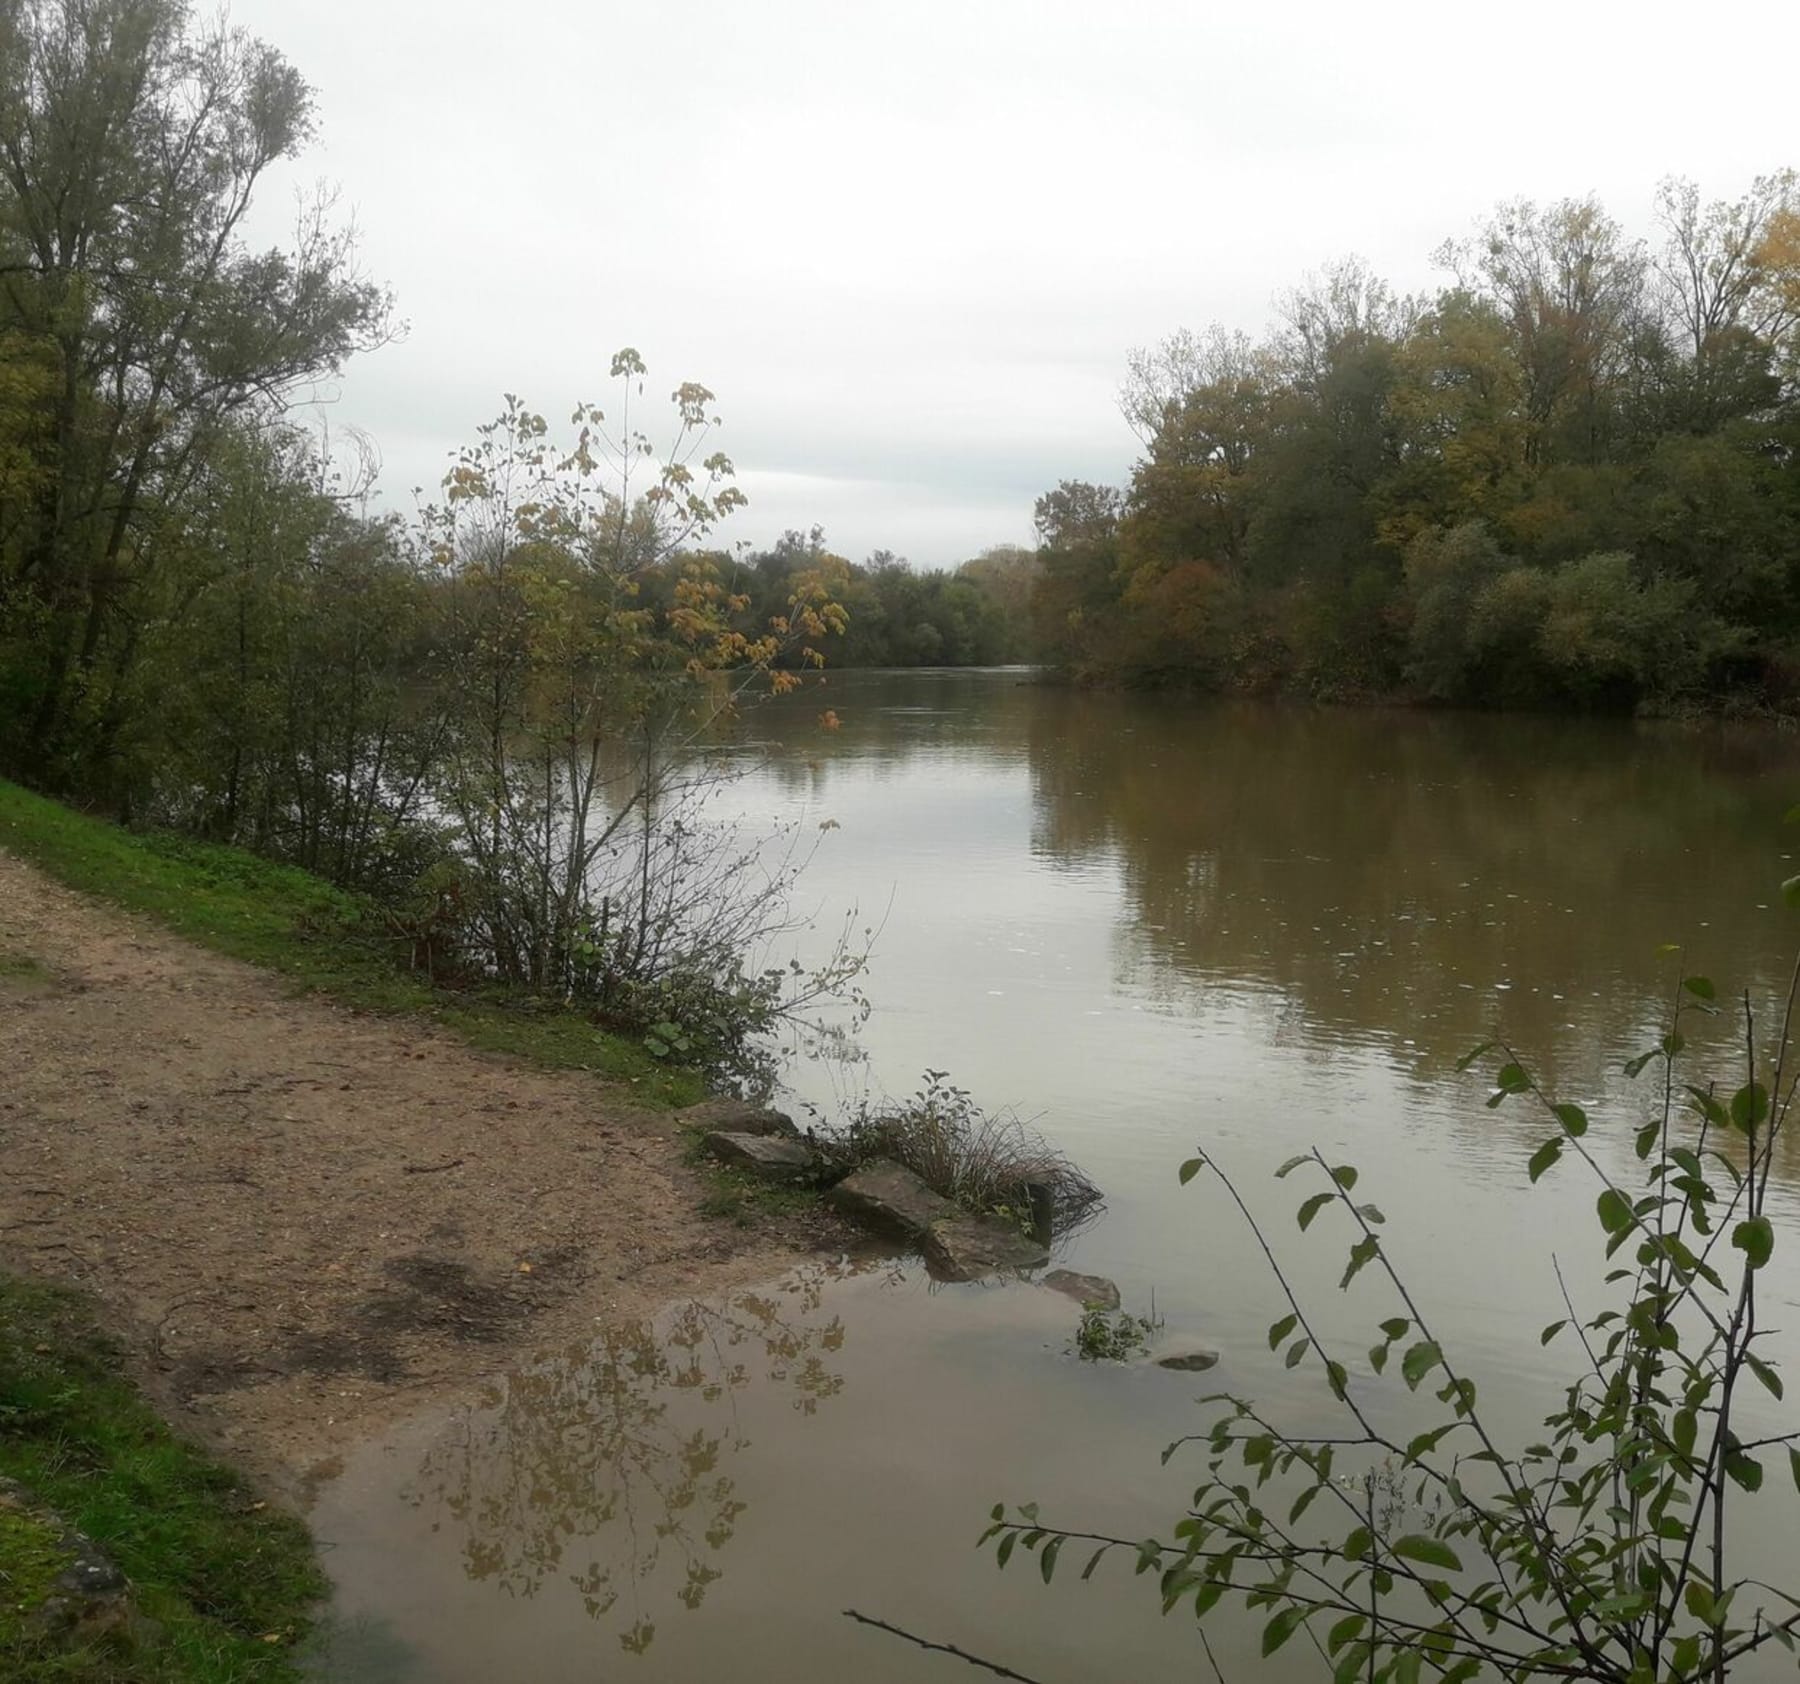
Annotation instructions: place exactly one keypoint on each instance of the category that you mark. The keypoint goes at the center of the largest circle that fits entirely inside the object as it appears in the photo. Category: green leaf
(1345, 1176)
(1190, 1169)
(1512, 1079)
(1343, 1631)
(1280, 1629)
(1573, 1119)
(1293, 1164)
(1419, 1361)
(1790, 892)
(1395, 1327)
(1700, 987)
(1094, 1561)
(1362, 1254)
(1699, 1599)
(1685, 1430)
(1296, 1352)
(1312, 1207)
(1278, 1331)
(1004, 1553)
(1749, 1106)
(1755, 1238)
(1615, 1211)
(1771, 1381)
(1433, 1552)
(1551, 1331)
(1745, 1471)
(1356, 1546)
(1473, 1054)
(1047, 1558)
(1545, 1156)
(1794, 1465)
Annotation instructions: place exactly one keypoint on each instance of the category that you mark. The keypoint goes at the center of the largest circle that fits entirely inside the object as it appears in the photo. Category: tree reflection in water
(607, 1464)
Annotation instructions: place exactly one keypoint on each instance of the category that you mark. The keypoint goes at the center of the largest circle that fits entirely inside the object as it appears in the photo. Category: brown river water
(1145, 925)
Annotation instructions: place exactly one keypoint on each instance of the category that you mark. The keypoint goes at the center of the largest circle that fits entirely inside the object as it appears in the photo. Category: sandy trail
(303, 1220)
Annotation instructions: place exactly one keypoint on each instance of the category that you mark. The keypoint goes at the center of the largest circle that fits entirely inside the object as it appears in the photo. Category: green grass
(736, 1196)
(226, 1582)
(320, 937)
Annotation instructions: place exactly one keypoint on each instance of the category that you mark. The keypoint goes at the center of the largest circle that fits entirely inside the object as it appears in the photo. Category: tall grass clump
(986, 1161)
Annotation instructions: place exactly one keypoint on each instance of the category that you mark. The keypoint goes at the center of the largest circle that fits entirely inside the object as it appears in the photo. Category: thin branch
(994, 1667)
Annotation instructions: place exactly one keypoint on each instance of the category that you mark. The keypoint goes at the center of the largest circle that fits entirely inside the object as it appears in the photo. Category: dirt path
(303, 1220)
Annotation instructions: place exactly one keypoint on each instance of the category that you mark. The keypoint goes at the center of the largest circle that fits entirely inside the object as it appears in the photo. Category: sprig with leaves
(1600, 1551)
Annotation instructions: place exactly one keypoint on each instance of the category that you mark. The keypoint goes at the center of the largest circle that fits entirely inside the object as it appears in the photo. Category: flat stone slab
(771, 1157)
(970, 1248)
(1186, 1356)
(1084, 1289)
(890, 1197)
(735, 1116)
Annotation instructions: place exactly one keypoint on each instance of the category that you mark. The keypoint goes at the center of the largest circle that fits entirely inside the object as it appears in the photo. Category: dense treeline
(1568, 478)
(976, 615)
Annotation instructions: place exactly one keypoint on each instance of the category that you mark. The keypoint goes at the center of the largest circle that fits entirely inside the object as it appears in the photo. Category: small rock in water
(772, 1157)
(1084, 1289)
(1188, 1356)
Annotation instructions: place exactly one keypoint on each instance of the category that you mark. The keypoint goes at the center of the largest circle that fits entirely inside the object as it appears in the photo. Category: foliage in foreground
(320, 936)
(1607, 1549)
(228, 1582)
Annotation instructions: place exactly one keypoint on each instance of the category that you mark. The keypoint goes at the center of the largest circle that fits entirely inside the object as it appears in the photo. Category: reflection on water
(1145, 925)
(608, 1466)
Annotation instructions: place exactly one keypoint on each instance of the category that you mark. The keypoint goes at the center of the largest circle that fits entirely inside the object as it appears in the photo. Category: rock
(770, 1157)
(889, 1197)
(1187, 1356)
(89, 1601)
(735, 1116)
(969, 1248)
(1084, 1289)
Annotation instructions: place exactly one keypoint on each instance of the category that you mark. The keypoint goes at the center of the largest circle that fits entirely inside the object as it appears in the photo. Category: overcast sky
(909, 245)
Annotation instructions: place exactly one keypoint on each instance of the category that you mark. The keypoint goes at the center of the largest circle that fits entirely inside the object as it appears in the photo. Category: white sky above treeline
(910, 244)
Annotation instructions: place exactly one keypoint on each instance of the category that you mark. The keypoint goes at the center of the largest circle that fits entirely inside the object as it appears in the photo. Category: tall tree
(132, 142)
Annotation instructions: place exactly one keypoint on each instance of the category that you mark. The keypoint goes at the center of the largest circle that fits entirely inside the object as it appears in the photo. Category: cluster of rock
(883, 1196)
(893, 1201)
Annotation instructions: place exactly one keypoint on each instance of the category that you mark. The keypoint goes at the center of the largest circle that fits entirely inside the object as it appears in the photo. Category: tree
(132, 141)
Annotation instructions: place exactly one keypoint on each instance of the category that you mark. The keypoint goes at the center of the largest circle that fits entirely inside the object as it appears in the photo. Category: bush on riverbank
(225, 1584)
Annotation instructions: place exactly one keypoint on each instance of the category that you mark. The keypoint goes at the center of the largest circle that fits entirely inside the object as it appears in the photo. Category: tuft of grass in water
(320, 937)
(225, 1583)
(1105, 1335)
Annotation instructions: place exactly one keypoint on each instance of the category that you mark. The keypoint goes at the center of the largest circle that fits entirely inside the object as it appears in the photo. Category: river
(1146, 925)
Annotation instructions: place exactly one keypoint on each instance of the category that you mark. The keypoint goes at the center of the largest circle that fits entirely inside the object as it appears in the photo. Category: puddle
(704, 1496)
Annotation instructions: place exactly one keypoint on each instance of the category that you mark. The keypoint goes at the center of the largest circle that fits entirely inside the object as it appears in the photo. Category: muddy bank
(304, 1221)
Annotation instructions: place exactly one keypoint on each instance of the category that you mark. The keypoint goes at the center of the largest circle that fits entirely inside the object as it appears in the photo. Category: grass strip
(321, 937)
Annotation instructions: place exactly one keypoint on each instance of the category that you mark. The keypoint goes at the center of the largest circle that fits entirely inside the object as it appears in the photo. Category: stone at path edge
(770, 1157)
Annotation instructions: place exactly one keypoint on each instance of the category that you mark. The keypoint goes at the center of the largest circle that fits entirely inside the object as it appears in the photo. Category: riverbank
(320, 938)
(300, 1209)
(218, 1583)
